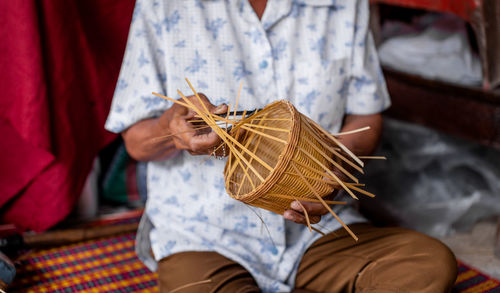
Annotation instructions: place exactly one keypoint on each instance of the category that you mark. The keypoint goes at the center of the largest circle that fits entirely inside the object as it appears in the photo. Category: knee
(435, 257)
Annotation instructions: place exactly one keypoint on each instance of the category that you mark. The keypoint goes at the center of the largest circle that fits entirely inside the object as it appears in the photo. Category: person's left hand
(314, 210)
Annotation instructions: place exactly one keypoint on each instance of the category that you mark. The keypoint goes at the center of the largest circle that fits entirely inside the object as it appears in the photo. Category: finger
(300, 218)
(312, 208)
(204, 142)
(221, 109)
(206, 103)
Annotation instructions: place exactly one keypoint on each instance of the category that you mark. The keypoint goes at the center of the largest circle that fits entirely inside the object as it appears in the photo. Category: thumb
(221, 109)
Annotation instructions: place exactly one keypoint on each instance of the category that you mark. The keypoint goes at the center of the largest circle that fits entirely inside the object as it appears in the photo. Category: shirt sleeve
(367, 91)
(142, 71)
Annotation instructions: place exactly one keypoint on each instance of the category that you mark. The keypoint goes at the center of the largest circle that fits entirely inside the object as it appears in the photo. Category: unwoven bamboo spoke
(224, 136)
(327, 157)
(306, 214)
(263, 134)
(333, 150)
(244, 168)
(361, 190)
(256, 145)
(323, 202)
(252, 117)
(323, 174)
(247, 143)
(171, 100)
(235, 142)
(268, 127)
(230, 157)
(373, 157)
(329, 172)
(335, 140)
(285, 196)
(237, 100)
(197, 96)
(228, 111)
(353, 131)
(329, 182)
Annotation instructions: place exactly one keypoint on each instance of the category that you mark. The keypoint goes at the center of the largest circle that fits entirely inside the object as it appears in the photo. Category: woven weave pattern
(106, 265)
(284, 136)
(110, 265)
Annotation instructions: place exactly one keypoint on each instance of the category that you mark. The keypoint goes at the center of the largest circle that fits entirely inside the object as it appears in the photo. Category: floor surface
(476, 248)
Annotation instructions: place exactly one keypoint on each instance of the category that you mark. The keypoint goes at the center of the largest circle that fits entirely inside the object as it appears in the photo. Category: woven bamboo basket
(278, 155)
(284, 141)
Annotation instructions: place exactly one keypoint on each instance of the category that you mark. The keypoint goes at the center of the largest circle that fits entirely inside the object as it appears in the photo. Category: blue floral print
(326, 65)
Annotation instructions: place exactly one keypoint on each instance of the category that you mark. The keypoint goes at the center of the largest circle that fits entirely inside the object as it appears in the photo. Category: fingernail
(295, 205)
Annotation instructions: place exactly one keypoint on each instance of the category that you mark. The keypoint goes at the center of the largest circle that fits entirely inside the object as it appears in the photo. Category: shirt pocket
(319, 88)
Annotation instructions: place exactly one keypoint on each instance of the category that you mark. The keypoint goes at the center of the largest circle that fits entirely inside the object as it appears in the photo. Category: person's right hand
(186, 132)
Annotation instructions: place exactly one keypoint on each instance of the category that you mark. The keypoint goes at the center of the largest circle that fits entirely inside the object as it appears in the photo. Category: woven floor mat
(105, 265)
(111, 265)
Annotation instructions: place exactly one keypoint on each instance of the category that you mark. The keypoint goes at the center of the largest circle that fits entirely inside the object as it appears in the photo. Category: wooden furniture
(482, 15)
(467, 112)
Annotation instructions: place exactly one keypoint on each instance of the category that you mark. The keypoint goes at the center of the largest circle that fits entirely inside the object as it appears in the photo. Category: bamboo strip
(248, 141)
(228, 111)
(259, 139)
(269, 128)
(353, 131)
(313, 133)
(349, 162)
(305, 214)
(263, 134)
(335, 140)
(285, 196)
(197, 96)
(329, 182)
(323, 202)
(362, 191)
(319, 231)
(329, 172)
(248, 152)
(225, 136)
(325, 175)
(170, 99)
(237, 100)
(373, 157)
(327, 157)
(252, 117)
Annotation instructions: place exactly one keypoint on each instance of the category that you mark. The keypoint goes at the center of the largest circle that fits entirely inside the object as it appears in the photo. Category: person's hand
(314, 209)
(187, 132)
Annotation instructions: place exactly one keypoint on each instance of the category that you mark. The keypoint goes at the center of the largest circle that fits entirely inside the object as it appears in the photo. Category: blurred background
(60, 169)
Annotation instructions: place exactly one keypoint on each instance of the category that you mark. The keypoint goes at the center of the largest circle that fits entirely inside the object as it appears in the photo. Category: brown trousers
(383, 260)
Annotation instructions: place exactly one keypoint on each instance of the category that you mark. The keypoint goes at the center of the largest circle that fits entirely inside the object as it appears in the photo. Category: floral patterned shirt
(318, 54)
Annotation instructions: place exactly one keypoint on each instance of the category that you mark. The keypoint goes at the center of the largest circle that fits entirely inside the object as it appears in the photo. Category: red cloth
(463, 8)
(59, 64)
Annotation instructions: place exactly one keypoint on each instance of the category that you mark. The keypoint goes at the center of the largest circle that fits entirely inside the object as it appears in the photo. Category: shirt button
(263, 64)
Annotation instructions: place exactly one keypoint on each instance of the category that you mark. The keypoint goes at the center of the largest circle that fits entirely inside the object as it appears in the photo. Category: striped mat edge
(111, 265)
